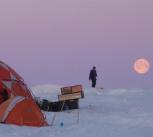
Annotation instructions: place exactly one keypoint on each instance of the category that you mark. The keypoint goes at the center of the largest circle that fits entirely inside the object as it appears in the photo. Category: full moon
(141, 66)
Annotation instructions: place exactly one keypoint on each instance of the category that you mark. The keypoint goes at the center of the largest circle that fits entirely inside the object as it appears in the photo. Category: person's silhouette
(93, 76)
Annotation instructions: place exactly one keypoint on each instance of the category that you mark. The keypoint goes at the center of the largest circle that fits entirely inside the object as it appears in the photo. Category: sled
(71, 93)
(69, 99)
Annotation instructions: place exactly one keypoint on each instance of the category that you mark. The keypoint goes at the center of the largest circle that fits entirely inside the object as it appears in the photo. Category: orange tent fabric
(16, 101)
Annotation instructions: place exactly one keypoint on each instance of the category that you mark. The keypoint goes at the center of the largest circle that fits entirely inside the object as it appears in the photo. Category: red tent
(17, 105)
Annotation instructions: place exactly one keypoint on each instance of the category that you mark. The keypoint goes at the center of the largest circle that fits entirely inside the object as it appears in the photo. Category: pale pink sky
(58, 41)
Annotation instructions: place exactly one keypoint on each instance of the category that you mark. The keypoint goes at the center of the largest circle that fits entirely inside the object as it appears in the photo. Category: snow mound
(48, 92)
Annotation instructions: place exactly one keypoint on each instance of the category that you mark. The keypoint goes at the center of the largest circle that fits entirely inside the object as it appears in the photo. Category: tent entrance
(3, 95)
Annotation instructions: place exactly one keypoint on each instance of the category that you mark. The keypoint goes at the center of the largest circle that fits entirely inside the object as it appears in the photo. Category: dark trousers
(93, 83)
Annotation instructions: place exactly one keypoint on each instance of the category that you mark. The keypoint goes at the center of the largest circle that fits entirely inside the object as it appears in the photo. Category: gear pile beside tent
(17, 105)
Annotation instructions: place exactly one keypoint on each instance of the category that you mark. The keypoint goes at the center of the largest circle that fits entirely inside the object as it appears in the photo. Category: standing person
(93, 76)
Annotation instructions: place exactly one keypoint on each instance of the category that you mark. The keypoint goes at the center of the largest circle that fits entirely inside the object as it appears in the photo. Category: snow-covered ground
(102, 113)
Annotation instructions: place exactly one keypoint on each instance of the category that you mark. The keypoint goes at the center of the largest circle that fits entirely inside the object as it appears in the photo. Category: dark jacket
(93, 74)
